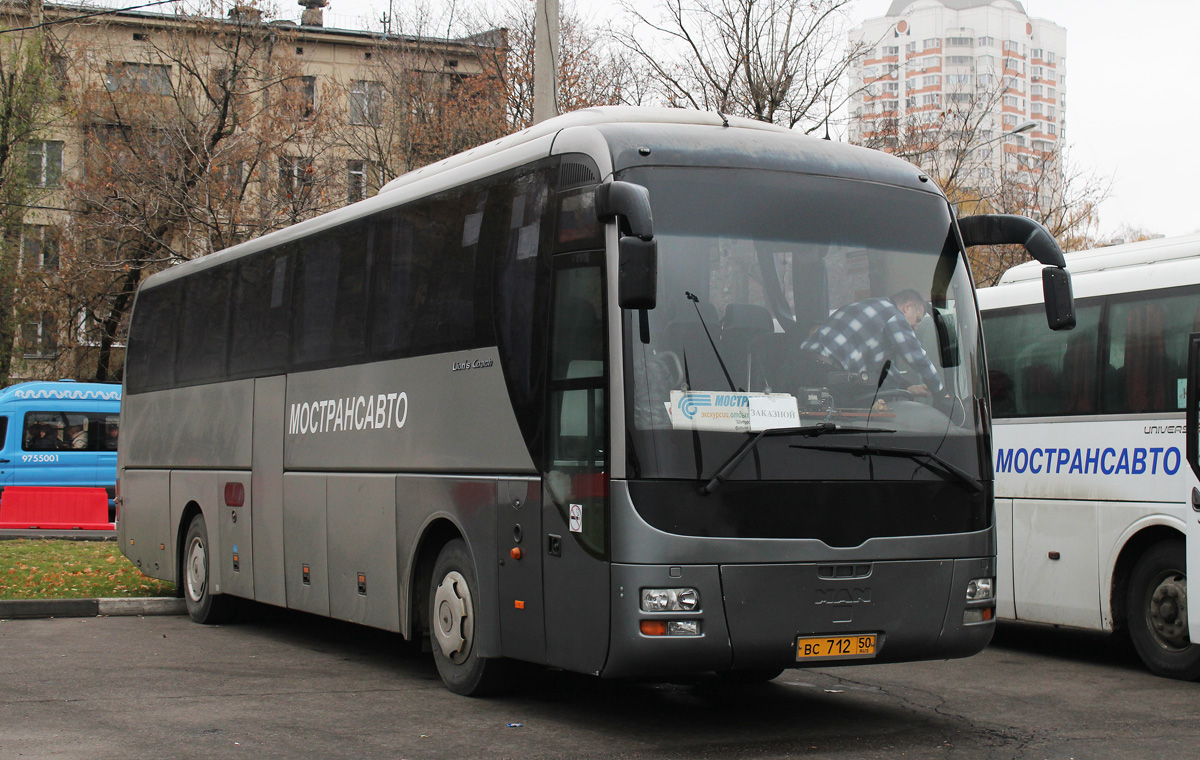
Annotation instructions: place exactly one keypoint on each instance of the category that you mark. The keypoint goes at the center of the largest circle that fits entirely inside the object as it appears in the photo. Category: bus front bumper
(755, 616)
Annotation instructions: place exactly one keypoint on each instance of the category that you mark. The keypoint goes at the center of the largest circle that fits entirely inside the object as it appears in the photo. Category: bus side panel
(237, 535)
(205, 426)
(577, 626)
(267, 485)
(522, 608)
(1005, 606)
(144, 529)
(1055, 568)
(361, 521)
(305, 550)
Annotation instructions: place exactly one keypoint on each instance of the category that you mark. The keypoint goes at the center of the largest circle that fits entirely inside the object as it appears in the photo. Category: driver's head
(911, 305)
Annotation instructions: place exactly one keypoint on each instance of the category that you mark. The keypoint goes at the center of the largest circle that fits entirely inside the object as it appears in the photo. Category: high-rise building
(943, 81)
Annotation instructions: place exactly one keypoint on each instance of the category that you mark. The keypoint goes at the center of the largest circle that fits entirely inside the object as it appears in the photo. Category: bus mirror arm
(637, 284)
(1010, 229)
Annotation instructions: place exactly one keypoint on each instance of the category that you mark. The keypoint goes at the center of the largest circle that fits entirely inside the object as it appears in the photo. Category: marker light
(670, 599)
(670, 627)
(979, 589)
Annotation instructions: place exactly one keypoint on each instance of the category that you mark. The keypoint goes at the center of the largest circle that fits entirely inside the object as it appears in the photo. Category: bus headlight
(670, 599)
(979, 589)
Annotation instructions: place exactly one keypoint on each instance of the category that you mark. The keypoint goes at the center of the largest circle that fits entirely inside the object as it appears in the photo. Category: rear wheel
(202, 605)
(455, 626)
(1156, 608)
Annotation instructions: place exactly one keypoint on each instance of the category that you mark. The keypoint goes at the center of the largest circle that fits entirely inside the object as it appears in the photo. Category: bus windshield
(800, 306)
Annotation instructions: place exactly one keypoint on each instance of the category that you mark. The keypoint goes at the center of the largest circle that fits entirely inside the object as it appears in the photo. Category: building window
(931, 81)
(1010, 120)
(932, 99)
(1050, 58)
(959, 60)
(891, 50)
(39, 247)
(302, 95)
(366, 103)
(45, 163)
(932, 43)
(295, 176)
(1037, 52)
(149, 78)
(987, 42)
(38, 338)
(959, 41)
(958, 79)
(356, 181)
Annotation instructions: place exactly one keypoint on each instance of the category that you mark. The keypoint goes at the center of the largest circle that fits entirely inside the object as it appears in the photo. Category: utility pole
(545, 61)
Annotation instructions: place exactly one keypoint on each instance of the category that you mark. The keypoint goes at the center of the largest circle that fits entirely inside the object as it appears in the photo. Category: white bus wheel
(202, 605)
(1156, 610)
(455, 625)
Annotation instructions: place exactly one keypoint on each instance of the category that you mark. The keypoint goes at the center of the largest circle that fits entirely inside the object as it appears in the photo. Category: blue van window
(70, 431)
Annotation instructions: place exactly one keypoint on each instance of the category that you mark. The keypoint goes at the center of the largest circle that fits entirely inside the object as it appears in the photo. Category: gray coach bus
(546, 401)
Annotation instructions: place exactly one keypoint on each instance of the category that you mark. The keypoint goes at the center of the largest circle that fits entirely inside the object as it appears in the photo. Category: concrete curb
(45, 608)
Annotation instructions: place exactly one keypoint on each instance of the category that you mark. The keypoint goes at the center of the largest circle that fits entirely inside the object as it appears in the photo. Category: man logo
(843, 596)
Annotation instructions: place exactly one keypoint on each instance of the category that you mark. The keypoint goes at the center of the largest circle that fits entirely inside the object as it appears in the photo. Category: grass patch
(57, 569)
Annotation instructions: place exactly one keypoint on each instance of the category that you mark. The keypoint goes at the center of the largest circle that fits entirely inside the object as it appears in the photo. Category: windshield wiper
(926, 459)
(810, 431)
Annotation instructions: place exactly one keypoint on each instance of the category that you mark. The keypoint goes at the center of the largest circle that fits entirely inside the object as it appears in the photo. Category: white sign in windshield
(726, 411)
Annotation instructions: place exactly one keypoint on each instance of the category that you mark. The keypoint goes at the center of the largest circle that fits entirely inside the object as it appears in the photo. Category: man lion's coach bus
(1095, 449)
(546, 401)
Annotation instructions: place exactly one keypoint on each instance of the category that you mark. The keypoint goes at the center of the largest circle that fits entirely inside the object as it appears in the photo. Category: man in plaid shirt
(861, 336)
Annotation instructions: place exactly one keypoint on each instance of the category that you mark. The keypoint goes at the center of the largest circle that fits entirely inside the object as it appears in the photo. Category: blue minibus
(62, 434)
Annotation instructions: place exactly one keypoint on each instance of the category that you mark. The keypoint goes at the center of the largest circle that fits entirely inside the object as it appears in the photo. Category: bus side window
(111, 429)
(3, 433)
(1147, 351)
(577, 369)
(43, 431)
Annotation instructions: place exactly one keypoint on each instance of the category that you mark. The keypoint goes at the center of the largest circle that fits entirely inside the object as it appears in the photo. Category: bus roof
(61, 390)
(1141, 253)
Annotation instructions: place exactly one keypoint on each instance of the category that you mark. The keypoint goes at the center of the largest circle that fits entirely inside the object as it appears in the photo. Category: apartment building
(318, 122)
(962, 74)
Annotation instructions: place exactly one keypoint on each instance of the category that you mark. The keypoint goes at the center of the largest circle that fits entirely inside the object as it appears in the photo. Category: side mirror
(1060, 301)
(637, 284)
(1010, 229)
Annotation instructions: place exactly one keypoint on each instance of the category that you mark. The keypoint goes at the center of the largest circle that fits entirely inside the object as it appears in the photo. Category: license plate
(858, 647)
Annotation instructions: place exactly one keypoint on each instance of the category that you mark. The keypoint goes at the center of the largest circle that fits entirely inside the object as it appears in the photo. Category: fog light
(683, 628)
(979, 589)
(670, 599)
(977, 615)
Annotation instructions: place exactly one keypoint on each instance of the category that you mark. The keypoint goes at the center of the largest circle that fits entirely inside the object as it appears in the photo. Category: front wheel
(455, 626)
(202, 605)
(1156, 608)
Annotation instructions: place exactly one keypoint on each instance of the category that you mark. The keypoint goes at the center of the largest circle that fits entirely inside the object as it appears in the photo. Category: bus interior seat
(743, 322)
(686, 337)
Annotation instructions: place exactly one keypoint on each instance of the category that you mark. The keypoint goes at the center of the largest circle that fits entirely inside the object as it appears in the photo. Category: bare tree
(194, 141)
(28, 112)
(780, 61)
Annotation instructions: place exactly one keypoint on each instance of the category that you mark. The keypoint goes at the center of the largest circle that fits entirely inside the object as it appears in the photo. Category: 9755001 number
(39, 458)
(859, 646)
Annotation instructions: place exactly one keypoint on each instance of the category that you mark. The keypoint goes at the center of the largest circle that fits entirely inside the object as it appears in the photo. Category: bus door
(575, 573)
(1191, 484)
(7, 454)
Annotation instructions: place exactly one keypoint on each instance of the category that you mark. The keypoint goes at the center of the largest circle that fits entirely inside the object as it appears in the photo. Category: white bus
(545, 401)
(1095, 469)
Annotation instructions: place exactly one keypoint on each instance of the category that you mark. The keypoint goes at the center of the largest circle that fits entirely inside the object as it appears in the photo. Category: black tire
(202, 605)
(1156, 610)
(752, 676)
(455, 626)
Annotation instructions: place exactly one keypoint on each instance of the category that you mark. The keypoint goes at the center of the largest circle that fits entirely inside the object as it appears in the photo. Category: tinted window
(3, 433)
(431, 293)
(259, 338)
(1034, 371)
(150, 358)
(519, 291)
(203, 326)
(329, 297)
(1147, 350)
(68, 431)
